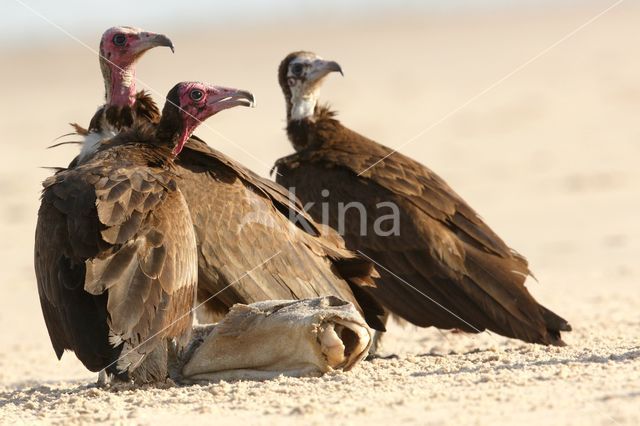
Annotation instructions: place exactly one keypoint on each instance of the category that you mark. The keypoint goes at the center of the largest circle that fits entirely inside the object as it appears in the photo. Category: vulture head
(300, 76)
(120, 48)
(189, 104)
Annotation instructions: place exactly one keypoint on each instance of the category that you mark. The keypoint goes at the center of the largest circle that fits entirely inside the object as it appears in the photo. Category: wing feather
(119, 274)
(464, 275)
(250, 248)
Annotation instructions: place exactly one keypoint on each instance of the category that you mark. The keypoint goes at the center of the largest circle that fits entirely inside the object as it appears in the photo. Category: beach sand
(548, 156)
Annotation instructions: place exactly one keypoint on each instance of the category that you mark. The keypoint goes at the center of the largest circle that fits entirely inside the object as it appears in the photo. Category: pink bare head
(120, 48)
(190, 103)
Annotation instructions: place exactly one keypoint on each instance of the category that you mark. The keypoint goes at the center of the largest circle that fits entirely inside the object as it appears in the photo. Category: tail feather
(374, 314)
(555, 324)
(528, 320)
(359, 274)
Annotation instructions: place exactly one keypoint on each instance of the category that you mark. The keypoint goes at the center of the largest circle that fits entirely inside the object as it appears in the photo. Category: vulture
(120, 48)
(440, 264)
(254, 241)
(115, 253)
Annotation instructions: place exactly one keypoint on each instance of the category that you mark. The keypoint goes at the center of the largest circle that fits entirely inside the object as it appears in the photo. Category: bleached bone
(266, 339)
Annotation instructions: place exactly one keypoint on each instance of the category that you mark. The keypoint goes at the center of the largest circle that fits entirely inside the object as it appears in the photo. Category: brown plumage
(242, 221)
(115, 253)
(115, 257)
(115, 119)
(469, 278)
(144, 110)
(255, 243)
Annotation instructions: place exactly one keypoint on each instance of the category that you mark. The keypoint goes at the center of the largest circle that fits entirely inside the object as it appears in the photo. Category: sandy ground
(549, 157)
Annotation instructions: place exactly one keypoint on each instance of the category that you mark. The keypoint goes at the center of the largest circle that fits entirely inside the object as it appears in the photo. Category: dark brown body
(446, 268)
(144, 110)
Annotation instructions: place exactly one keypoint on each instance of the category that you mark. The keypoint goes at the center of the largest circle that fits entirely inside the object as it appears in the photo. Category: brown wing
(445, 267)
(252, 248)
(115, 261)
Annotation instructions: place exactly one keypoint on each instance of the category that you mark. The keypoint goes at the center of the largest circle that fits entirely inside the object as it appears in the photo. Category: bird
(120, 49)
(259, 219)
(440, 264)
(256, 243)
(115, 250)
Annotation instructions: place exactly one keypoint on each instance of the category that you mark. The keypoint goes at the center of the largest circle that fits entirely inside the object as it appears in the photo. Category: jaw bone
(268, 339)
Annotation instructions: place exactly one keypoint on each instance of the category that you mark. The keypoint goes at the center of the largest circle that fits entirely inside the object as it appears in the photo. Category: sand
(549, 157)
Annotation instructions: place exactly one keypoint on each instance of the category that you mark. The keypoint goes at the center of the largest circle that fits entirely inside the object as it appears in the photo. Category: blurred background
(529, 109)
(83, 17)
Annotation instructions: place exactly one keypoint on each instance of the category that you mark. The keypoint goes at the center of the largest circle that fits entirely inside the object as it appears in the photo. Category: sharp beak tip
(163, 40)
(251, 99)
(334, 66)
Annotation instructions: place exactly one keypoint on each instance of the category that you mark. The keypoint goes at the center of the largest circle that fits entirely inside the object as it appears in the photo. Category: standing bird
(120, 49)
(440, 264)
(115, 249)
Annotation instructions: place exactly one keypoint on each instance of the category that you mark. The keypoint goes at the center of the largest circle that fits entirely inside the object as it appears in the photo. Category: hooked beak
(221, 98)
(218, 99)
(150, 40)
(320, 68)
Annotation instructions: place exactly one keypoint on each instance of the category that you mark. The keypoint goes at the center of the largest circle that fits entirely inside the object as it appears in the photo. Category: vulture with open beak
(120, 49)
(115, 250)
(440, 264)
(242, 221)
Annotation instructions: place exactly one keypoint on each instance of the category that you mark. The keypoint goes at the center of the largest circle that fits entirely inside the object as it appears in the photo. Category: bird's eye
(119, 39)
(196, 95)
(296, 69)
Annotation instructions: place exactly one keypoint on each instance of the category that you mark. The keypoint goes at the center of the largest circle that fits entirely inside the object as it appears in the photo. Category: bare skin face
(304, 78)
(199, 101)
(120, 48)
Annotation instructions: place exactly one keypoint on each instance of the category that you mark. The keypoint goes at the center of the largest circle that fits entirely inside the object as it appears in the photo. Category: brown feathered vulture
(440, 264)
(120, 49)
(256, 243)
(242, 221)
(115, 249)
